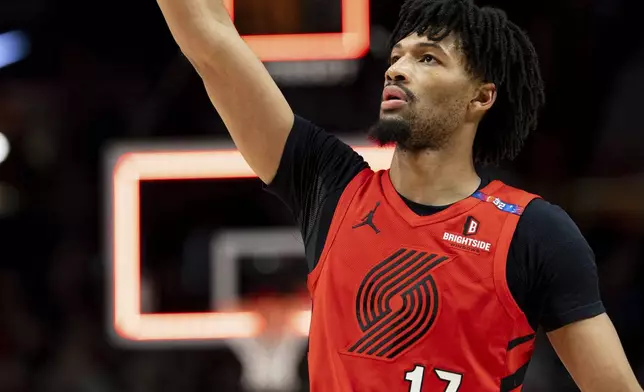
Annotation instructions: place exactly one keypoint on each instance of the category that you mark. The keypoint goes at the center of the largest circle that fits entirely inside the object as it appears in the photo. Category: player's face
(426, 95)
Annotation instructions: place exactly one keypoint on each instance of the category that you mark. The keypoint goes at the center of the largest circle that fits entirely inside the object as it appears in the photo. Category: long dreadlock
(496, 51)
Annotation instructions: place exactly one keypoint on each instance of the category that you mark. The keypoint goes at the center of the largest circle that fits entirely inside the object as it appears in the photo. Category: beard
(390, 131)
(412, 133)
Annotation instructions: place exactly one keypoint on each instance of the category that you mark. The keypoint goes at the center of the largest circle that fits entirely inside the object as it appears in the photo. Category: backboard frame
(127, 164)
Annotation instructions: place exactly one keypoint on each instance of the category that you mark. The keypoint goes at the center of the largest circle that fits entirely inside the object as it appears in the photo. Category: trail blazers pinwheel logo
(397, 303)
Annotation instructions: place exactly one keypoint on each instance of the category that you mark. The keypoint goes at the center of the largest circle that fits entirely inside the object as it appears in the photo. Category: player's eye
(428, 58)
(393, 60)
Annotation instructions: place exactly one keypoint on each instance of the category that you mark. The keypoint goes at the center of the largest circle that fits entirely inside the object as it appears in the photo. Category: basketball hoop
(270, 360)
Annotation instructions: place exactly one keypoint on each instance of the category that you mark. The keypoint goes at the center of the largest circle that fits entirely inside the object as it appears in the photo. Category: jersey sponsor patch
(471, 226)
(467, 243)
(500, 204)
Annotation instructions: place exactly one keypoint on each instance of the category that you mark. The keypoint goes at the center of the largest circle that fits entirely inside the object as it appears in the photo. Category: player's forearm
(247, 99)
(200, 27)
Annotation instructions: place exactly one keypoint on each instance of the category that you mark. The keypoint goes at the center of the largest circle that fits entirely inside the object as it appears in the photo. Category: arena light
(129, 170)
(14, 46)
(352, 43)
(5, 147)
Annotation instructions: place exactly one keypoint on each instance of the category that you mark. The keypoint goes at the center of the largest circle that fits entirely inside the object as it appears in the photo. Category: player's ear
(484, 98)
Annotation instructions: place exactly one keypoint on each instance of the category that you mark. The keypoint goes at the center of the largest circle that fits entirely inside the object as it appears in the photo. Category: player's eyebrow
(432, 45)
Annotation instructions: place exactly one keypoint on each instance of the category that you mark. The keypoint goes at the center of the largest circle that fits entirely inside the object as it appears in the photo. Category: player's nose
(397, 72)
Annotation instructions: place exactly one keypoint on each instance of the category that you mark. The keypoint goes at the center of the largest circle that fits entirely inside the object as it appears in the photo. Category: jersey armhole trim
(500, 267)
(338, 217)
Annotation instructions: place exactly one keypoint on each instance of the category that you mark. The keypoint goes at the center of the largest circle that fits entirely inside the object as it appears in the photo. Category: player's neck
(434, 178)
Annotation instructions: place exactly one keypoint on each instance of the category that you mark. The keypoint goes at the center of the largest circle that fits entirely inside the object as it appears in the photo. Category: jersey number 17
(415, 378)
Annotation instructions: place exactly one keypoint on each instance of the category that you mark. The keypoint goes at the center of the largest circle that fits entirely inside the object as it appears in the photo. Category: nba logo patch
(471, 226)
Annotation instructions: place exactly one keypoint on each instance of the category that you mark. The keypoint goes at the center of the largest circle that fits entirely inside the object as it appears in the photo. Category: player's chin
(393, 114)
(395, 119)
(390, 130)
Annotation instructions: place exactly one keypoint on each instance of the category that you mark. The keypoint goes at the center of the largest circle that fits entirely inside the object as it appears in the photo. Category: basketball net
(270, 361)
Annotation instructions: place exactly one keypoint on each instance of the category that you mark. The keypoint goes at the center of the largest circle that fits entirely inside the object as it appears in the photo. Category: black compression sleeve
(315, 168)
(551, 268)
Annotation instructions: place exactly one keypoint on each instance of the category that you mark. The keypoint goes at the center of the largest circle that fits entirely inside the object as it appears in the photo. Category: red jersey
(403, 302)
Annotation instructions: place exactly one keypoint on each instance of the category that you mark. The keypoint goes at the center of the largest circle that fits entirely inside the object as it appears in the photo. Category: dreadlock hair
(496, 51)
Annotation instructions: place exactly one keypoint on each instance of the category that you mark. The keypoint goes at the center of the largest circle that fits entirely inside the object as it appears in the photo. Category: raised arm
(249, 102)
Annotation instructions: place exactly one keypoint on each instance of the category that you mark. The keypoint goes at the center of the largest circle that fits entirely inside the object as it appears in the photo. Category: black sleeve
(551, 268)
(314, 170)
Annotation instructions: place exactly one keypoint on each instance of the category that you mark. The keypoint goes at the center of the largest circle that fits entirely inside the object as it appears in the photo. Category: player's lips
(393, 97)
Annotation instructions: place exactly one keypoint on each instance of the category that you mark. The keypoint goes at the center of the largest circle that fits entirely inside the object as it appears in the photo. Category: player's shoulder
(541, 218)
(542, 213)
(511, 194)
(548, 223)
(316, 141)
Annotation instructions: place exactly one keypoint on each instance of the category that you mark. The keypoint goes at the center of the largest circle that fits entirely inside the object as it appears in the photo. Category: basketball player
(424, 277)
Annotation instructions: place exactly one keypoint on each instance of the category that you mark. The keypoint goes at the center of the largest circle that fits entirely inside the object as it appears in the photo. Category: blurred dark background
(94, 73)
